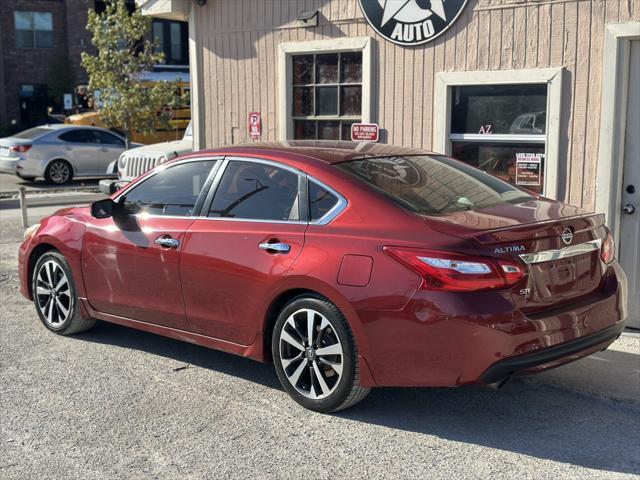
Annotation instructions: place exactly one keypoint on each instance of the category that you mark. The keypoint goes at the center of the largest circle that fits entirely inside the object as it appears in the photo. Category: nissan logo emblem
(567, 236)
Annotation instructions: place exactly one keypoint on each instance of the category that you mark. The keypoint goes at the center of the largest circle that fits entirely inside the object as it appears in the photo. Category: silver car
(60, 152)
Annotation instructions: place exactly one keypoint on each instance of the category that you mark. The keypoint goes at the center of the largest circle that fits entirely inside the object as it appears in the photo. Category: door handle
(104, 149)
(167, 241)
(275, 247)
(68, 148)
(628, 209)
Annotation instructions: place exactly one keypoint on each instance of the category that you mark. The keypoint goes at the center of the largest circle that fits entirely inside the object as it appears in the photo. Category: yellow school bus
(178, 121)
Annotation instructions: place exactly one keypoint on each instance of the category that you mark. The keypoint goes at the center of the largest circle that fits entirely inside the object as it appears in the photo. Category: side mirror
(103, 208)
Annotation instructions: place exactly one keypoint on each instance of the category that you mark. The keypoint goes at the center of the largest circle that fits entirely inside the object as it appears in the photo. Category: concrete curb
(73, 198)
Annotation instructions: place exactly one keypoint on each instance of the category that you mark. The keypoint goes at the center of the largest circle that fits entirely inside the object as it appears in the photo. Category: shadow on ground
(528, 416)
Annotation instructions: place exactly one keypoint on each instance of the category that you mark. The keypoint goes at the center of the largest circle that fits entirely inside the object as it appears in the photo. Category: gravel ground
(117, 403)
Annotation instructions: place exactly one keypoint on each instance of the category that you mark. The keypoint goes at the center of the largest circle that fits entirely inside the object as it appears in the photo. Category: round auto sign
(411, 22)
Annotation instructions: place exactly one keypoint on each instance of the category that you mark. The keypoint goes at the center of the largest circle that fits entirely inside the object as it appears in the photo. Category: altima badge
(510, 249)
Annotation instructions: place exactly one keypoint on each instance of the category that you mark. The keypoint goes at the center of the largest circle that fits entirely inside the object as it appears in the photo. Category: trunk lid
(567, 271)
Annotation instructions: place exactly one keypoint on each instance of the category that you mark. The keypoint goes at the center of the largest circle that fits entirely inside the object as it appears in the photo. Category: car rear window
(433, 184)
(32, 133)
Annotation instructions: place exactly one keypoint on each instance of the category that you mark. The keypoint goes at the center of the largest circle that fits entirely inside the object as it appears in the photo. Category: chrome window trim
(227, 219)
(161, 168)
(327, 218)
(273, 163)
(252, 220)
(566, 252)
(336, 210)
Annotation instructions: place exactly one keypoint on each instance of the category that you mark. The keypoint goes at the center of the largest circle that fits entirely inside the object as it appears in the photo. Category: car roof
(65, 126)
(328, 151)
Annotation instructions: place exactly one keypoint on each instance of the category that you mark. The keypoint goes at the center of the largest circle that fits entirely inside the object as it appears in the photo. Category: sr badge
(411, 22)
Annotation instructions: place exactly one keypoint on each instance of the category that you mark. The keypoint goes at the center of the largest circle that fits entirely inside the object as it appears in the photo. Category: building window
(326, 95)
(171, 38)
(505, 122)
(34, 29)
(501, 129)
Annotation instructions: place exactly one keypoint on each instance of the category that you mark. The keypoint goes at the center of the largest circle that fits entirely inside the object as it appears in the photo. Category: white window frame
(285, 75)
(445, 81)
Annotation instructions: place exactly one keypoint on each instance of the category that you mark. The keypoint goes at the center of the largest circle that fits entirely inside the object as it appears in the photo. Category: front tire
(58, 172)
(316, 356)
(54, 295)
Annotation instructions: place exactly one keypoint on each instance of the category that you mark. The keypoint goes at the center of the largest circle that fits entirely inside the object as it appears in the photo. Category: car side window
(107, 138)
(321, 201)
(256, 191)
(78, 136)
(173, 191)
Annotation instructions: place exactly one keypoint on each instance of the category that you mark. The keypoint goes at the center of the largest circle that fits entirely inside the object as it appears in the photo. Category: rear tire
(58, 172)
(55, 297)
(316, 356)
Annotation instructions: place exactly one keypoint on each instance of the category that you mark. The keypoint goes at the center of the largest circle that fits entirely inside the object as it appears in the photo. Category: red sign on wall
(255, 125)
(365, 132)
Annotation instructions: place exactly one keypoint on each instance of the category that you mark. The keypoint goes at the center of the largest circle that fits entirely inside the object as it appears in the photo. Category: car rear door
(80, 146)
(111, 146)
(131, 261)
(235, 255)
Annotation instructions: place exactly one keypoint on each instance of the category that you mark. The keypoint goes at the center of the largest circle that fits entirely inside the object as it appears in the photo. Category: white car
(60, 152)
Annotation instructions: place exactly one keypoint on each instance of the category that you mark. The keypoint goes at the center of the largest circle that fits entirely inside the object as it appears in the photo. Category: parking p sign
(255, 125)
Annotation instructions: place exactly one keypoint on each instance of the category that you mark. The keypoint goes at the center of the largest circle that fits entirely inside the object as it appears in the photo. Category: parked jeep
(136, 161)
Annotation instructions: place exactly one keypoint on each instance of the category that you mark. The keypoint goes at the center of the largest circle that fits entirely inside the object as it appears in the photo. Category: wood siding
(240, 41)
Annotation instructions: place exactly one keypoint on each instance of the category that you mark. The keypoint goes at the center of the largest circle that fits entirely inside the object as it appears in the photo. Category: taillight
(456, 272)
(20, 148)
(608, 251)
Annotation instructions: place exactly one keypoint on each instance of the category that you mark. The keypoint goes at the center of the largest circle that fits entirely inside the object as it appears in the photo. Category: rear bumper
(8, 165)
(552, 356)
(450, 339)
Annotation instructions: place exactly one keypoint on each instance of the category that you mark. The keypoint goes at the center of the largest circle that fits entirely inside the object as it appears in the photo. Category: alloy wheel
(59, 172)
(53, 294)
(311, 354)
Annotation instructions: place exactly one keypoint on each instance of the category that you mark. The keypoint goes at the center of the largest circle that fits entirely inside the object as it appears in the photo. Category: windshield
(433, 185)
(32, 133)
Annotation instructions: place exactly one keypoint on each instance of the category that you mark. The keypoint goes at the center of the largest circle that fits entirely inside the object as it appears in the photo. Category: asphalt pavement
(119, 403)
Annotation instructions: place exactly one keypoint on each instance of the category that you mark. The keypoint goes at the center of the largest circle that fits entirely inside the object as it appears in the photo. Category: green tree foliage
(123, 54)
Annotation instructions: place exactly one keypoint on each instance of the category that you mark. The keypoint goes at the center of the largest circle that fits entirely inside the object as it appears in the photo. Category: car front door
(111, 146)
(131, 261)
(235, 255)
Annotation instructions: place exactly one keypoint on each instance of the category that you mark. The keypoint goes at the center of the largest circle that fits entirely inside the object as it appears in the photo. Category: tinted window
(32, 133)
(320, 201)
(173, 191)
(518, 163)
(78, 136)
(516, 109)
(256, 191)
(434, 184)
(108, 138)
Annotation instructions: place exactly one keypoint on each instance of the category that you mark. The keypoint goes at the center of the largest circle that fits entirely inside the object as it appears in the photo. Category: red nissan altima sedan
(348, 266)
